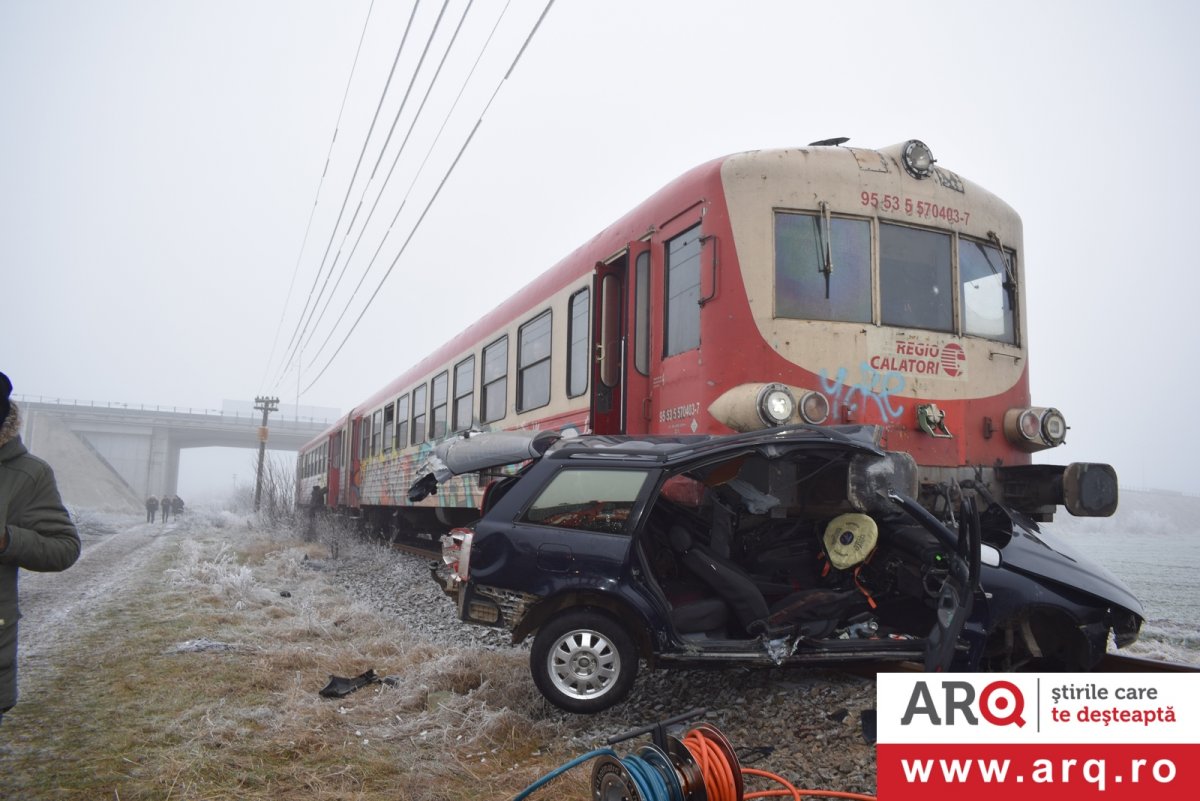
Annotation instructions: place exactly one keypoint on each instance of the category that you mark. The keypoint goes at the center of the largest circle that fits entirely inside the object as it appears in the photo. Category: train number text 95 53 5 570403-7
(915, 208)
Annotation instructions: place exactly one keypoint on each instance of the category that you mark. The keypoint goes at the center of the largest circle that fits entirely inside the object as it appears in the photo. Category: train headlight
(1054, 427)
(814, 408)
(918, 159)
(1035, 428)
(775, 404)
(1029, 425)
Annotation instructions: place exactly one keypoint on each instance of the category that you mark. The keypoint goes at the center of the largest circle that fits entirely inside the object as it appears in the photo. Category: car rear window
(589, 500)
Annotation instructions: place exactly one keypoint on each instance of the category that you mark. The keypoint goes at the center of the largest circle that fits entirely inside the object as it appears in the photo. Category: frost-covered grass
(203, 682)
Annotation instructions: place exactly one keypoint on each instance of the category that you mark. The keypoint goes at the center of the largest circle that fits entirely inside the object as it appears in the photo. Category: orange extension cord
(721, 785)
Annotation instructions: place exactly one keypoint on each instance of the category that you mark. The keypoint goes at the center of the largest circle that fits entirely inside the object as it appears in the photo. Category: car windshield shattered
(800, 545)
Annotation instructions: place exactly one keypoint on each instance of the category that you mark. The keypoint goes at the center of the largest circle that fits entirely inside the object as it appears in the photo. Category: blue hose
(554, 774)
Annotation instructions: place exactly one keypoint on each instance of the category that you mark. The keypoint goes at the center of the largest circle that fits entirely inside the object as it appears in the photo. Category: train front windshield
(823, 272)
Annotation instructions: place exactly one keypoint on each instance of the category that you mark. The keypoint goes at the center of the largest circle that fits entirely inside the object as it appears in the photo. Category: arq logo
(1000, 703)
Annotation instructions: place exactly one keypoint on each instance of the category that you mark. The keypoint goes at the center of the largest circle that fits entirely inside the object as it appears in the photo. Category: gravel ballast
(804, 724)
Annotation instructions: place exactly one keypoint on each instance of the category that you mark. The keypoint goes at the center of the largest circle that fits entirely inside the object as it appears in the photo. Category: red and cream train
(823, 284)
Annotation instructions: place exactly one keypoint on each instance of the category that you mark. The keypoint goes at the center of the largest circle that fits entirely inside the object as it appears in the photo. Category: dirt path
(57, 607)
(118, 711)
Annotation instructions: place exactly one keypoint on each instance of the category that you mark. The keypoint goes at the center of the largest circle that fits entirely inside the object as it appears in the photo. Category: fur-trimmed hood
(11, 426)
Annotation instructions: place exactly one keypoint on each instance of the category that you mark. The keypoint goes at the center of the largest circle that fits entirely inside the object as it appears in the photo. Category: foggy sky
(160, 163)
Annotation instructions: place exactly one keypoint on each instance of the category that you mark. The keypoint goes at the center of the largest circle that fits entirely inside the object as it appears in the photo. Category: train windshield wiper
(825, 238)
(1010, 277)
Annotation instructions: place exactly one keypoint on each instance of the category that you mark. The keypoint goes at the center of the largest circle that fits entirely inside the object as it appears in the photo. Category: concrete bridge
(115, 455)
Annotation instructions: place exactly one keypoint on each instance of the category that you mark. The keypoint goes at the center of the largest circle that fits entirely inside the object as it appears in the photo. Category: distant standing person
(165, 507)
(36, 532)
(177, 506)
(151, 508)
(316, 500)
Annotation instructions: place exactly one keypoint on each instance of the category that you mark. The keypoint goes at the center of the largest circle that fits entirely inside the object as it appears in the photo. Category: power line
(420, 171)
(311, 330)
(308, 227)
(434, 197)
(357, 166)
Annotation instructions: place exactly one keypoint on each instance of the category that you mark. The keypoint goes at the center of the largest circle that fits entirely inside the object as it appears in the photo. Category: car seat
(810, 612)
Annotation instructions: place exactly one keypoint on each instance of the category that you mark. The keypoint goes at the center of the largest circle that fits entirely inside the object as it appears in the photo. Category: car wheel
(583, 662)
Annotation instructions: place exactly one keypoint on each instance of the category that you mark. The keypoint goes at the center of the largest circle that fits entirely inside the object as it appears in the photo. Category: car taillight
(456, 551)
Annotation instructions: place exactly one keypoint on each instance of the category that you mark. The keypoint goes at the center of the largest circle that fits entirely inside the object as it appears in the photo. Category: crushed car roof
(673, 448)
(476, 451)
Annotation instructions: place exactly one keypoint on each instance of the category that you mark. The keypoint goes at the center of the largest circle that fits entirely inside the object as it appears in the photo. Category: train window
(494, 398)
(577, 344)
(364, 445)
(464, 394)
(439, 404)
(389, 425)
(402, 421)
(914, 278)
(683, 292)
(641, 314)
(533, 363)
(376, 430)
(336, 460)
(419, 414)
(808, 289)
(987, 294)
(610, 330)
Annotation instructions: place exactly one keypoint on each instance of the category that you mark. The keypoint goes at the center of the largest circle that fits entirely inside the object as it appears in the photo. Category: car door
(572, 528)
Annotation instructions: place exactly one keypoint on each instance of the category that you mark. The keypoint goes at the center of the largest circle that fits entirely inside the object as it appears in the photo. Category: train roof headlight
(814, 408)
(918, 159)
(1054, 427)
(775, 404)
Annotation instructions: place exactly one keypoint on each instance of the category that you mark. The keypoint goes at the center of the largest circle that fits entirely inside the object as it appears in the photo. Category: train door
(355, 462)
(333, 489)
(620, 398)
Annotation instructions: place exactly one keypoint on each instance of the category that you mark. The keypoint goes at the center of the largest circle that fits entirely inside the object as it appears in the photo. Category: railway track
(1123, 663)
(1111, 663)
(430, 549)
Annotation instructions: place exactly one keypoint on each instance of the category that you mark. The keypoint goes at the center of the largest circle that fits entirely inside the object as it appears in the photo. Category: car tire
(583, 661)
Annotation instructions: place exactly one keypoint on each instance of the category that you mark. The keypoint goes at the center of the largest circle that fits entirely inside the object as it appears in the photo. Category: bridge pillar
(159, 458)
(171, 480)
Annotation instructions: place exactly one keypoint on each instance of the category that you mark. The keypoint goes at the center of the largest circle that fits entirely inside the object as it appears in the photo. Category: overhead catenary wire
(433, 198)
(358, 165)
(309, 324)
(404, 201)
(399, 151)
(317, 198)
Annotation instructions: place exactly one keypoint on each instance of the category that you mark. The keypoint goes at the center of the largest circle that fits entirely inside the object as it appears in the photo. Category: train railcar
(823, 284)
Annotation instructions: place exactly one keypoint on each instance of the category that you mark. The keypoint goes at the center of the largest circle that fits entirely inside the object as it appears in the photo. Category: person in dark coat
(176, 506)
(151, 508)
(36, 532)
(165, 507)
(316, 502)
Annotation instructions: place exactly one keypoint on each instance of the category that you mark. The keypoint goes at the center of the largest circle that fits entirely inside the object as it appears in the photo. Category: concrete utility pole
(266, 406)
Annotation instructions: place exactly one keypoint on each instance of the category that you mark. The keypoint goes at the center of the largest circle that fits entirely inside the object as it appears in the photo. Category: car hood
(1041, 552)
